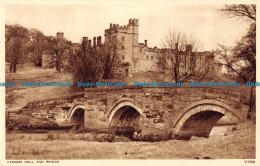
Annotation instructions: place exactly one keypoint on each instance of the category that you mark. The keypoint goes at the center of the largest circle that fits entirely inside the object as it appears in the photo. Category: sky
(156, 18)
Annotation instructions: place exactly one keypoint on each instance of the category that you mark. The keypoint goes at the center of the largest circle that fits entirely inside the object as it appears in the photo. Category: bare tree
(110, 57)
(178, 60)
(94, 63)
(241, 59)
(247, 11)
(57, 47)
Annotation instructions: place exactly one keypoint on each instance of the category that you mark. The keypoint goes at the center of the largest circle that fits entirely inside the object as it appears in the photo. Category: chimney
(110, 25)
(176, 48)
(189, 47)
(94, 41)
(89, 42)
(85, 44)
(145, 43)
(99, 40)
(85, 39)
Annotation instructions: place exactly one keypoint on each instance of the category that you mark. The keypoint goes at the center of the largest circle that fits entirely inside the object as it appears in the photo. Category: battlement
(115, 27)
(60, 34)
(155, 49)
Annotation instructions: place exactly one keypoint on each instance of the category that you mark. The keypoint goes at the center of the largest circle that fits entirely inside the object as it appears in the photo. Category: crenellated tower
(127, 39)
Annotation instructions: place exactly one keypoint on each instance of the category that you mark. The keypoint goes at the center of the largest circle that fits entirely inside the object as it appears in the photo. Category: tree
(37, 45)
(241, 59)
(178, 61)
(14, 49)
(110, 57)
(94, 63)
(57, 47)
(16, 37)
(247, 11)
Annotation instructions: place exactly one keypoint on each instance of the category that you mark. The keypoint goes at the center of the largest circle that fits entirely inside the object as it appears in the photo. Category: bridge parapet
(160, 107)
(160, 110)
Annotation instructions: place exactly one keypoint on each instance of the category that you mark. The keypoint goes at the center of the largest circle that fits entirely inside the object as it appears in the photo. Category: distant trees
(177, 65)
(241, 59)
(16, 39)
(37, 45)
(56, 47)
(94, 63)
(29, 44)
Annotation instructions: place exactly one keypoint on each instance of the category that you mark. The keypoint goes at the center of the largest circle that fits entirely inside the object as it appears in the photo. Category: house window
(123, 47)
(123, 57)
(114, 38)
(140, 50)
(147, 57)
(151, 57)
(123, 38)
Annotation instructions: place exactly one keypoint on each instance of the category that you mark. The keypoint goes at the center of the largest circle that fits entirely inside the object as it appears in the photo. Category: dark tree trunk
(251, 103)
(58, 65)
(14, 69)
(11, 67)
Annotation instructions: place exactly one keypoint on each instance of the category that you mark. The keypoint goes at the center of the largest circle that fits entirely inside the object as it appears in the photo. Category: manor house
(137, 57)
(142, 58)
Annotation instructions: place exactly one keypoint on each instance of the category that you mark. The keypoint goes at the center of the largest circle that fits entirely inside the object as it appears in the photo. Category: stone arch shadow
(77, 114)
(199, 119)
(125, 114)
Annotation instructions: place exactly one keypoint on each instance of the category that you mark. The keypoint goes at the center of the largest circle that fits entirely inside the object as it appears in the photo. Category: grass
(237, 144)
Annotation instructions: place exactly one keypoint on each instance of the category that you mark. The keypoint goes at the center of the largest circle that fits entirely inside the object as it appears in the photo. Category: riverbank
(238, 143)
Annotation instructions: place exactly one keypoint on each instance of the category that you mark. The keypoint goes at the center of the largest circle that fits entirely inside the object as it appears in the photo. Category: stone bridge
(181, 111)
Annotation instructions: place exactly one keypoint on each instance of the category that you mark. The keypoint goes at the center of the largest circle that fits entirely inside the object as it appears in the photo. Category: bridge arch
(76, 114)
(125, 114)
(201, 117)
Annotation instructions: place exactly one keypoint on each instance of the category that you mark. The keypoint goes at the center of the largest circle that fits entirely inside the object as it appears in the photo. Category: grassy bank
(238, 143)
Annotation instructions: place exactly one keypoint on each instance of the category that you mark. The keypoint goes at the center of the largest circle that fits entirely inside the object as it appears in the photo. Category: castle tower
(127, 39)
(135, 30)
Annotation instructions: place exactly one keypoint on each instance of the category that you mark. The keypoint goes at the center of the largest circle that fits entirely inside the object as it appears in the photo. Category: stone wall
(178, 110)
(160, 108)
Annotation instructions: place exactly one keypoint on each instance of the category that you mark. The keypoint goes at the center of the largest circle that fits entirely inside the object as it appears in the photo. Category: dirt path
(18, 96)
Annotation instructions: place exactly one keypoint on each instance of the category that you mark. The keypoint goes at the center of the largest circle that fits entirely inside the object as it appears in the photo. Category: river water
(219, 130)
(215, 132)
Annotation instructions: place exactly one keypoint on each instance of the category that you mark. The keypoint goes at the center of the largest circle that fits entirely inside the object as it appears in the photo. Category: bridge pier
(160, 111)
(182, 111)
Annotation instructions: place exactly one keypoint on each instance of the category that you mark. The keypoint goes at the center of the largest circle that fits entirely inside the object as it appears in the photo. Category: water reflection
(219, 131)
